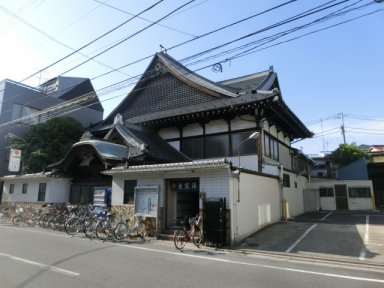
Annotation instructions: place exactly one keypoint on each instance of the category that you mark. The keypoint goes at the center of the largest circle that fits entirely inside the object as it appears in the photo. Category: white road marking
(177, 253)
(41, 265)
(289, 250)
(363, 252)
(255, 265)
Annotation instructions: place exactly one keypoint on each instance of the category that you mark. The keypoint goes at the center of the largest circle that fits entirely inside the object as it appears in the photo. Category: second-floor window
(271, 147)
(219, 145)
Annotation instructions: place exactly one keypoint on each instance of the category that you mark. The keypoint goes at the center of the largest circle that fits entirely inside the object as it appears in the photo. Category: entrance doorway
(341, 197)
(182, 200)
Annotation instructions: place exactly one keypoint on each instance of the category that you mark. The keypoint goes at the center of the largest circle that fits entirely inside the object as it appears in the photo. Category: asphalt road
(32, 257)
(352, 236)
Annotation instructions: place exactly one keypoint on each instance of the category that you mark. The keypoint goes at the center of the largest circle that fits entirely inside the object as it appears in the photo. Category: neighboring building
(376, 172)
(377, 153)
(22, 106)
(322, 167)
(344, 188)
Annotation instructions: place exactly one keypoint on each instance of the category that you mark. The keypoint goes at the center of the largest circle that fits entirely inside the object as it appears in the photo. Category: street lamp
(254, 135)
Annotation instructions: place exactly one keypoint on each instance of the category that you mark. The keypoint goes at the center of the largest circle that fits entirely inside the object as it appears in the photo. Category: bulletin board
(147, 200)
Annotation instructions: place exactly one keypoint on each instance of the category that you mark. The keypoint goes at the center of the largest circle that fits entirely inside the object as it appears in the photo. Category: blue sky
(332, 68)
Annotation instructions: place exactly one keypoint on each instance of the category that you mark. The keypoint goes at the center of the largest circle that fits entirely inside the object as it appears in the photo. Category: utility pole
(341, 116)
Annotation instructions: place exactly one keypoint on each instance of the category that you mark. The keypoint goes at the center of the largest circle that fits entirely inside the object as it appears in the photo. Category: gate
(214, 223)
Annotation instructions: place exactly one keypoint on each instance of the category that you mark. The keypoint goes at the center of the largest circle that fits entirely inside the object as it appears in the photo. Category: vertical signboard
(14, 160)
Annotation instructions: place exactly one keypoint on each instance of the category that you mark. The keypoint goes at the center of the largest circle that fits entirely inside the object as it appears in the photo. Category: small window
(129, 191)
(326, 192)
(11, 188)
(25, 188)
(286, 180)
(359, 192)
(42, 189)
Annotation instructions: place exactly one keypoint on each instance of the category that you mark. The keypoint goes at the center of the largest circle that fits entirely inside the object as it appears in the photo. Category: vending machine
(102, 196)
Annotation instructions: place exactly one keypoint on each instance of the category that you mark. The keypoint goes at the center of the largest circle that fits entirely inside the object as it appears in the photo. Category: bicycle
(105, 227)
(124, 229)
(190, 231)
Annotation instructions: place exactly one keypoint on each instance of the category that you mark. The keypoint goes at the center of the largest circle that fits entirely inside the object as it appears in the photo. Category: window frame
(326, 192)
(42, 192)
(25, 188)
(129, 196)
(356, 192)
(11, 188)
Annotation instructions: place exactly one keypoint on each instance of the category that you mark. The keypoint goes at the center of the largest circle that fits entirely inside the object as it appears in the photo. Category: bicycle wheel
(43, 219)
(141, 230)
(180, 238)
(17, 220)
(197, 237)
(72, 226)
(33, 219)
(103, 229)
(90, 228)
(121, 231)
(59, 222)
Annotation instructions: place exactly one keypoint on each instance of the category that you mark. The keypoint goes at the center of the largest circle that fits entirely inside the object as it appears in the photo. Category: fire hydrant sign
(14, 160)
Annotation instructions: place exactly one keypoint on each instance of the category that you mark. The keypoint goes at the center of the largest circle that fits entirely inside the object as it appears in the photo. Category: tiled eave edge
(221, 163)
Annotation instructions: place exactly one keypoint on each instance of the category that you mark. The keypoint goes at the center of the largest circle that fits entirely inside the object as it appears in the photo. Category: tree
(347, 153)
(47, 143)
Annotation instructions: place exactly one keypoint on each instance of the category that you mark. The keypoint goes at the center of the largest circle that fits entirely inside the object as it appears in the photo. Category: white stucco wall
(213, 182)
(294, 195)
(259, 205)
(329, 203)
(57, 189)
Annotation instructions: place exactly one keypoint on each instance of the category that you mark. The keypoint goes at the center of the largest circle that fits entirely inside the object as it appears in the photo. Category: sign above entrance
(185, 185)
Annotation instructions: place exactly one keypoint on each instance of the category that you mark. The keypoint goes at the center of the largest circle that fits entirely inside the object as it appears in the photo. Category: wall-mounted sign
(185, 185)
(14, 160)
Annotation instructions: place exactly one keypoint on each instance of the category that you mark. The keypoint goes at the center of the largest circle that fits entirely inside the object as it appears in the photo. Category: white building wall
(294, 195)
(57, 189)
(213, 182)
(329, 203)
(169, 133)
(216, 126)
(259, 205)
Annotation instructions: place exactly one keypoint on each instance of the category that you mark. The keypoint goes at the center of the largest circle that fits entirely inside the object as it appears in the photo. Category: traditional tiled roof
(201, 164)
(191, 77)
(169, 94)
(106, 149)
(149, 143)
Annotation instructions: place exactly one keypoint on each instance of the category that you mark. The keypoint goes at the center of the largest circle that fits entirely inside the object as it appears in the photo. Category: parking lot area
(345, 236)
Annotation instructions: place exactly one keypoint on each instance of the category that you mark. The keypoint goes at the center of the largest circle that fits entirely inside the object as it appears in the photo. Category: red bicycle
(190, 231)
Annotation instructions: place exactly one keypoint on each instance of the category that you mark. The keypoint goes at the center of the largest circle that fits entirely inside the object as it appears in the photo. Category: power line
(135, 76)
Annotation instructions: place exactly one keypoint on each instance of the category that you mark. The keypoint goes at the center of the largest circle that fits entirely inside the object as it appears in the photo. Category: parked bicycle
(125, 229)
(105, 227)
(189, 232)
